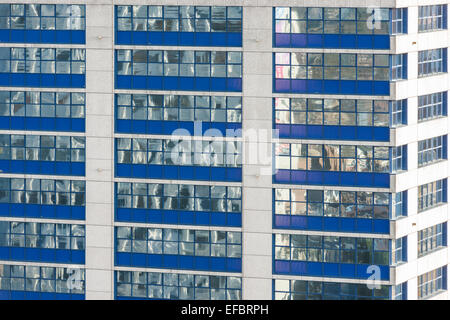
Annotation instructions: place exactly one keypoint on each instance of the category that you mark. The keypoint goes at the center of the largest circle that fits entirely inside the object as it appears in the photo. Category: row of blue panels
(179, 83)
(168, 127)
(27, 295)
(374, 88)
(42, 80)
(325, 269)
(42, 124)
(361, 133)
(333, 178)
(178, 262)
(334, 224)
(332, 41)
(43, 167)
(199, 218)
(42, 255)
(199, 39)
(43, 36)
(42, 211)
(178, 172)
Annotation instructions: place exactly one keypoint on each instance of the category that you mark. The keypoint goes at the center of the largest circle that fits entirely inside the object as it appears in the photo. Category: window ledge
(399, 218)
(433, 207)
(398, 126)
(398, 264)
(431, 163)
(431, 119)
(431, 30)
(428, 75)
(430, 252)
(433, 295)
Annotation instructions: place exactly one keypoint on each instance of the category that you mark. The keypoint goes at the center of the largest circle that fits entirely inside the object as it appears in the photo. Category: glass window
(398, 112)
(42, 60)
(40, 191)
(431, 18)
(179, 108)
(317, 290)
(432, 106)
(432, 150)
(42, 104)
(331, 66)
(43, 148)
(399, 158)
(342, 112)
(42, 279)
(398, 67)
(331, 203)
(432, 194)
(331, 157)
(331, 249)
(157, 285)
(330, 20)
(179, 63)
(430, 239)
(432, 62)
(43, 235)
(184, 197)
(400, 250)
(179, 18)
(399, 204)
(179, 242)
(399, 20)
(183, 152)
(400, 291)
(42, 17)
(431, 283)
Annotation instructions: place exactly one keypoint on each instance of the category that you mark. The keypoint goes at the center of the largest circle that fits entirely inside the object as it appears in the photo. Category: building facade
(220, 149)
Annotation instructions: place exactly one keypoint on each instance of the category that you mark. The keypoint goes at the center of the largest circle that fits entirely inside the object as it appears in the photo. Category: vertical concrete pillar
(257, 178)
(99, 151)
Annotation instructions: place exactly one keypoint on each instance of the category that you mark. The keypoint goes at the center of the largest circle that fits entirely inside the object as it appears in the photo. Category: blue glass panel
(202, 38)
(170, 38)
(186, 38)
(299, 40)
(140, 38)
(348, 41)
(155, 38)
(299, 268)
(48, 36)
(4, 35)
(155, 83)
(382, 42)
(123, 37)
(139, 82)
(32, 80)
(234, 39)
(365, 41)
(381, 226)
(186, 262)
(332, 41)
(218, 39)
(347, 270)
(17, 79)
(17, 35)
(284, 40)
(187, 83)
(78, 36)
(123, 82)
(219, 264)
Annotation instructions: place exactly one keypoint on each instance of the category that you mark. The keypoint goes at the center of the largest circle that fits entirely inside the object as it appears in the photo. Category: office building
(197, 149)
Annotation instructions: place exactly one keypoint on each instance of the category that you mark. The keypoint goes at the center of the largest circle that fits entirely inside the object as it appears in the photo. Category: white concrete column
(257, 178)
(99, 152)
